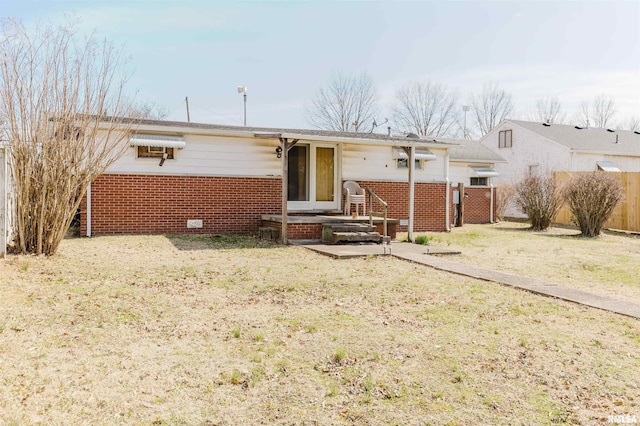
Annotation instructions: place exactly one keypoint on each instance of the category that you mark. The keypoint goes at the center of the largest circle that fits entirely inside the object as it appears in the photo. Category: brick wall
(142, 204)
(477, 207)
(429, 208)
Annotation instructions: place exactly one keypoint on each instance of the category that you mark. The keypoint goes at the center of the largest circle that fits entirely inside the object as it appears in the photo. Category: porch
(307, 227)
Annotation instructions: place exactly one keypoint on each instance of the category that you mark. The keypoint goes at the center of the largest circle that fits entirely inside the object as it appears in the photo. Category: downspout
(89, 210)
(491, 207)
(412, 178)
(447, 212)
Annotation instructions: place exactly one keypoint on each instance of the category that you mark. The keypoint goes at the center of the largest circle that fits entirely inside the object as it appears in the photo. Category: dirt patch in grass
(190, 330)
(608, 265)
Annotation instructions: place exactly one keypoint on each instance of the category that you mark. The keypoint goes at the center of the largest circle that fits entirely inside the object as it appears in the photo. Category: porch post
(412, 174)
(286, 146)
(285, 190)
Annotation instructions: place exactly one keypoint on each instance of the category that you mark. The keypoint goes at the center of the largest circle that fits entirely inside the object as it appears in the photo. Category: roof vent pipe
(617, 139)
(388, 130)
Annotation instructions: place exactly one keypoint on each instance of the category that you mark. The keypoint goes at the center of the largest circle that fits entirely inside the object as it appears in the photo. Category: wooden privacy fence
(626, 215)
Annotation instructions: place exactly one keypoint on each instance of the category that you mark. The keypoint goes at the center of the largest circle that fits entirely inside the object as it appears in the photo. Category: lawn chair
(353, 195)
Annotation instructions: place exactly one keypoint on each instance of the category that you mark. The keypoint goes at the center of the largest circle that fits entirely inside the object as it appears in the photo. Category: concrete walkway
(423, 255)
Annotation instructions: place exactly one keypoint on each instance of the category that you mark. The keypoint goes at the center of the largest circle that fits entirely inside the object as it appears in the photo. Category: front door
(313, 177)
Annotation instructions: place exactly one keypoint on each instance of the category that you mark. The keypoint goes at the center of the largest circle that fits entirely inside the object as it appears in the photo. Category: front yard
(225, 331)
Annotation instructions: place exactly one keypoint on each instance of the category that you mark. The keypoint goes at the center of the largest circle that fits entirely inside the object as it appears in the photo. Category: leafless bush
(54, 89)
(591, 198)
(540, 199)
(504, 195)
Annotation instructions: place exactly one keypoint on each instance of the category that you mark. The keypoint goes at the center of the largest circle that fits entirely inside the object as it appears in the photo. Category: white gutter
(491, 188)
(447, 221)
(274, 134)
(89, 210)
(412, 178)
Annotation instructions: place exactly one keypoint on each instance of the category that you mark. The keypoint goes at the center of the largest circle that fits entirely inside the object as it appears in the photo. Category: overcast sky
(284, 51)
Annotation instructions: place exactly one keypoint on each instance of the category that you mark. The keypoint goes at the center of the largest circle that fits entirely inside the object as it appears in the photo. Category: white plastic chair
(353, 195)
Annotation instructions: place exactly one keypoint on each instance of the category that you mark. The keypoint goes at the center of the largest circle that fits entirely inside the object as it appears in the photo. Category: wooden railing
(382, 214)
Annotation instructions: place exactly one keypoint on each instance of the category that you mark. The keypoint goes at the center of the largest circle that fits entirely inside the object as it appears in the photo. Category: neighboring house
(542, 148)
(186, 177)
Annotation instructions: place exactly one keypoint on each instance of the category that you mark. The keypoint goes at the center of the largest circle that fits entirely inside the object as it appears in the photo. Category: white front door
(313, 177)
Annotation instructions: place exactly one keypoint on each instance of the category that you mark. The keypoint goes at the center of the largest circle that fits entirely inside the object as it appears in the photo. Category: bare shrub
(504, 195)
(54, 88)
(540, 198)
(591, 198)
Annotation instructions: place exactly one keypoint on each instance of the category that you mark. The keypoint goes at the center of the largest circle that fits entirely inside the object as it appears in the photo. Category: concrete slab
(424, 255)
(346, 251)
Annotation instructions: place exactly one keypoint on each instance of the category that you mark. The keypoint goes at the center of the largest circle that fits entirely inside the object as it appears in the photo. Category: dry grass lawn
(225, 331)
(608, 265)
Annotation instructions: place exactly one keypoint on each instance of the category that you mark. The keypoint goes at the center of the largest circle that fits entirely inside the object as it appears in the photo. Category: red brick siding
(429, 208)
(142, 204)
(477, 207)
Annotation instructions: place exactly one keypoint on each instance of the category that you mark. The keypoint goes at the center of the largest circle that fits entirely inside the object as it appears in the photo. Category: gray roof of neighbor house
(620, 142)
(472, 151)
(310, 133)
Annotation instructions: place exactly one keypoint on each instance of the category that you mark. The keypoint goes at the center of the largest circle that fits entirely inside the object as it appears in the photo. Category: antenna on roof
(386, 120)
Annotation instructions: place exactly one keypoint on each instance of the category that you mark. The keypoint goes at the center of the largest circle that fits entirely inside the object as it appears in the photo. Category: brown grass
(180, 330)
(608, 265)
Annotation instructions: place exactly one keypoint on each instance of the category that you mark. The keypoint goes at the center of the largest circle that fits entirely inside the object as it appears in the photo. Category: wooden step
(268, 233)
(354, 237)
(348, 226)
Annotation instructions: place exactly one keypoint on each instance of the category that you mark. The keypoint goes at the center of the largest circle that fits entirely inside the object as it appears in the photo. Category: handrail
(383, 214)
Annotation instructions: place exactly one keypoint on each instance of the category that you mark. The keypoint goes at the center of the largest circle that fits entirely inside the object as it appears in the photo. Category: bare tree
(491, 107)
(347, 103)
(426, 108)
(549, 110)
(146, 110)
(54, 88)
(632, 123)
(597, 113)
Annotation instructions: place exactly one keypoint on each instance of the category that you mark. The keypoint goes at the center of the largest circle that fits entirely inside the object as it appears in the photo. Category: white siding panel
(206, 155)
(459, 172)
(528, 149)
(587, 162)
(367, 162)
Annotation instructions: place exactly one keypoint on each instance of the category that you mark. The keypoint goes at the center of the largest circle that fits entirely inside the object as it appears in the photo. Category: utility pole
(243, 90)
(465, 108)
(186, 99)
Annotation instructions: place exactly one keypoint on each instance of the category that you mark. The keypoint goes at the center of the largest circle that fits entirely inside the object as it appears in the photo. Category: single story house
(543, 148)
(179, 177)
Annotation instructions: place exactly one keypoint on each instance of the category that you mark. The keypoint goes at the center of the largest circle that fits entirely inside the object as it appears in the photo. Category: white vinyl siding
(367, 162)
(210, 156)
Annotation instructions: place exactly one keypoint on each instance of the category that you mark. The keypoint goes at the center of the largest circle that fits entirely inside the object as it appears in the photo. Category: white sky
(284, 51)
